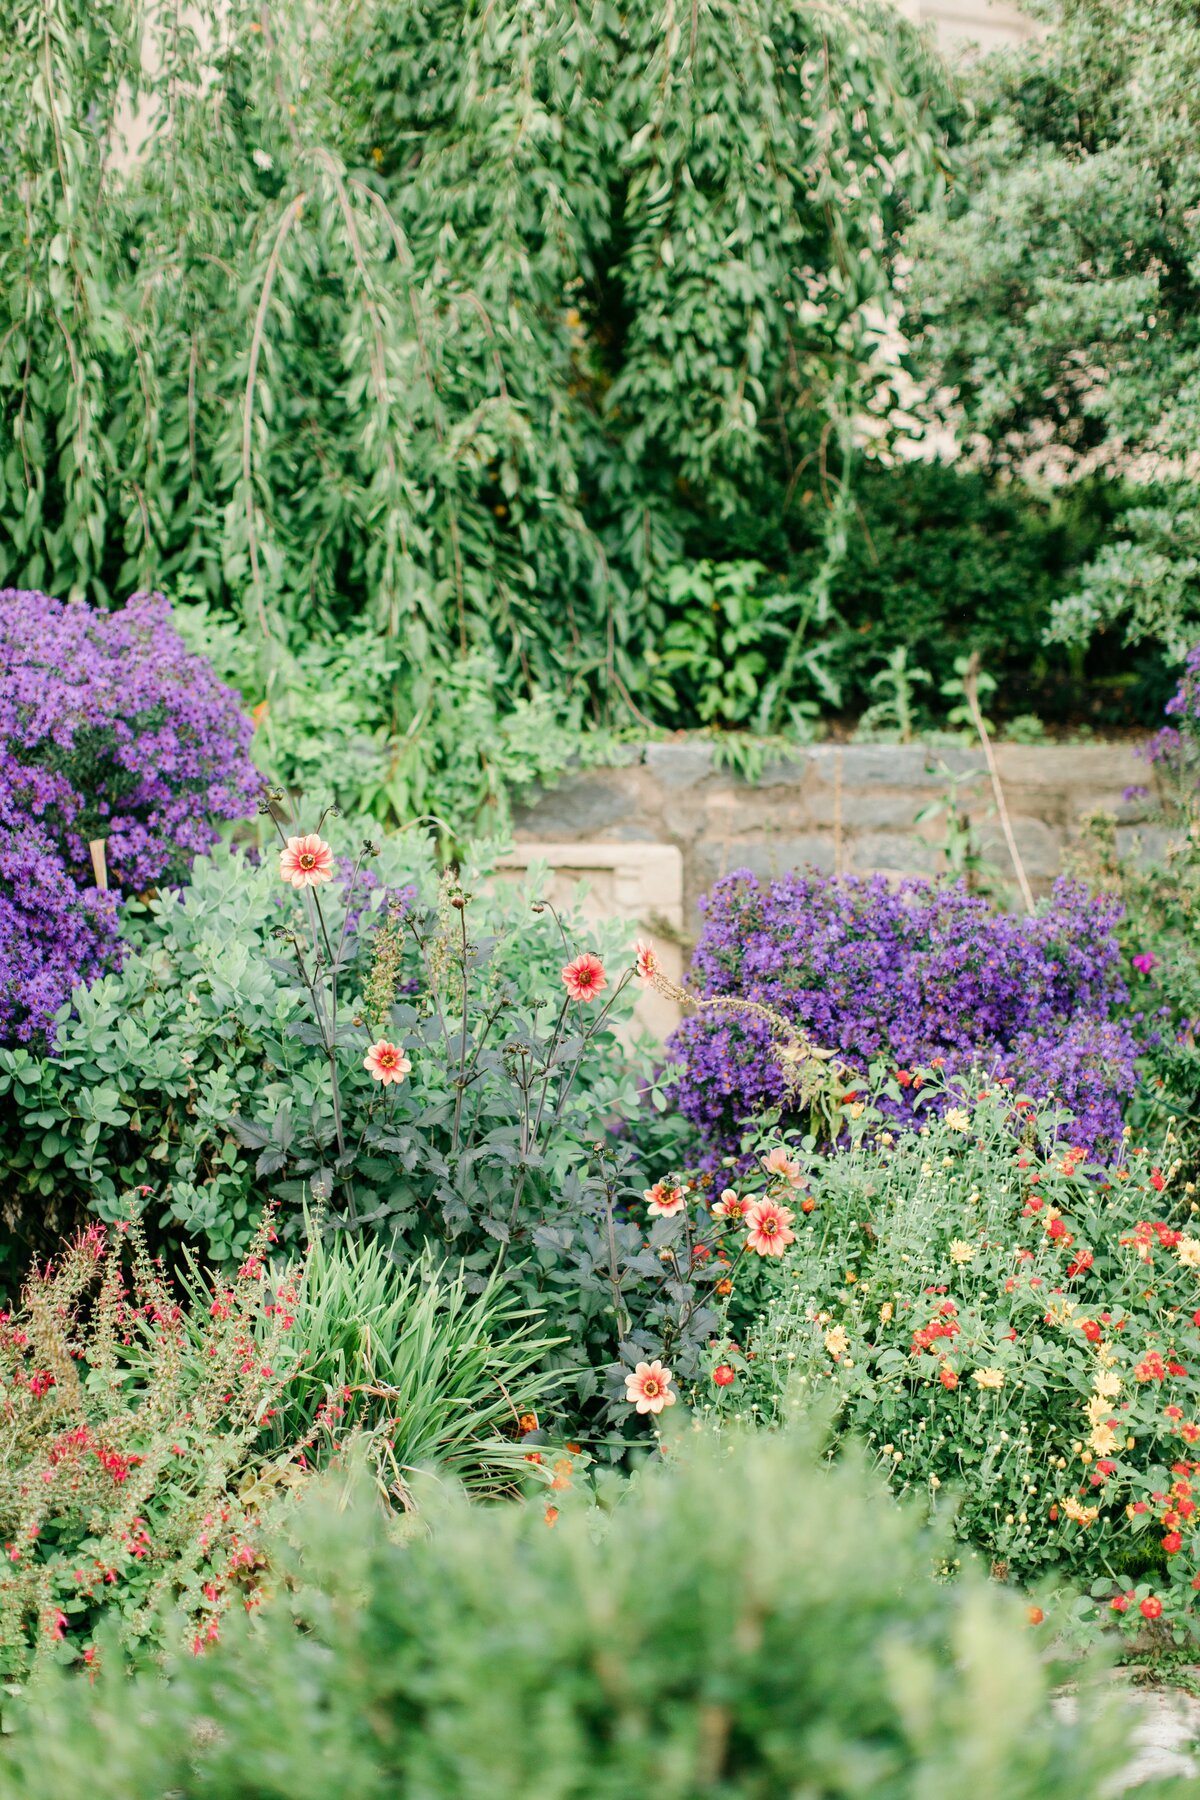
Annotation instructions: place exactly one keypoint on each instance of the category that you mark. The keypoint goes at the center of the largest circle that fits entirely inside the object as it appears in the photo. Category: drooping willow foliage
(445, 325)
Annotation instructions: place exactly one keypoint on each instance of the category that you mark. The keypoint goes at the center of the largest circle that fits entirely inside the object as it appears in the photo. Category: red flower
(1172, 1543)
(1090, 1330)
(723, 1375)
(1151, 1607)
(584, 978)
(948, 1378)
(1156, 1180)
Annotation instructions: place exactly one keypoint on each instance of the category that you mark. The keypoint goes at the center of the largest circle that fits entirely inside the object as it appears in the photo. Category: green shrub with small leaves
(744, 1622)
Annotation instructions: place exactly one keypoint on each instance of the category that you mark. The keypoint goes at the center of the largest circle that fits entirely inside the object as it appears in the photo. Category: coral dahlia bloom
(664, 1201)
(731, 1206)
(585, 978)
(723, 1375)
(778, 1162)
(645, 962)
(306, 861)
(648, 1387)
(386, 1062)
(768, 1233)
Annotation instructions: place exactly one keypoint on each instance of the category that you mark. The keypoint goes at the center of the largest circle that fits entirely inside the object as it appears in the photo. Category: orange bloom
(584, 978)
(386, 1062)
(768, 1233)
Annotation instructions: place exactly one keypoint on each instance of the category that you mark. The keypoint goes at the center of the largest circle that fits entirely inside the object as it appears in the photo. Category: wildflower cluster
(922, 975)
(1016, 1325)
(130, 1420)
(112, 735)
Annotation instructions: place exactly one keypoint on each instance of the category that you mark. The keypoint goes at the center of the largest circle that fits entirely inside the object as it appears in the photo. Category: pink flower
(645, 962)
(731, 1206)
(386, 1062)
(780, 1163)
(1145, 961)
(306, 861)
(664, 1201)
(648, 1387)
(585, 978)
(768, 1233)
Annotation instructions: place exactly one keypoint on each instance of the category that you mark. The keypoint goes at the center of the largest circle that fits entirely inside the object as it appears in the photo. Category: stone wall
(851, 808)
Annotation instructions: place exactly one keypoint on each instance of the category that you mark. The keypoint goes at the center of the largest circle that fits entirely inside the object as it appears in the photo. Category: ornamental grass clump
(119, 749)
(898, 978)
(1015, 1331)
(740, 1621)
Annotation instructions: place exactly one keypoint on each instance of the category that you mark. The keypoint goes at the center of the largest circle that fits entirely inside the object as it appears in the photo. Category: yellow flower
(958, 1120)
(885, 1312)
(1103, 1440)
(1098, 1409)
(1107, 1382)
(988, 1378)
(1082, 1515)
(1188, 1252)
(961, 1251)
(836, 1341)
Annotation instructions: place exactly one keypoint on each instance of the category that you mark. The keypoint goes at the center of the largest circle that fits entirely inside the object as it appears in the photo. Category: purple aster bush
(901, 976)
(110, 728)
(52, 933)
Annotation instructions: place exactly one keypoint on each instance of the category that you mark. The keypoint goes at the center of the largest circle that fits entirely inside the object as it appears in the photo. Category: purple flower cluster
(1171, 745)
(111, 729)
(907, 975)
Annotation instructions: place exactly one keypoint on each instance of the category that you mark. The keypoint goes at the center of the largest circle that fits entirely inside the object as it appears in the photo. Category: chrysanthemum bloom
(988, 1378)
(663, 1200)
(961, 1251)
(948, 1378)
(645, 962)
(731, 1206)
(386, 1062)
(584, 978)
(768, 1233)
(778, 1162)
(306, 861)
(648, 1387)
(958, 1119)
(1188, 1252)
(723, 1374)
(836, 1341)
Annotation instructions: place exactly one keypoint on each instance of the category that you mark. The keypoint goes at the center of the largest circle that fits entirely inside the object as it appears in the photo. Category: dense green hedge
(743, 1624)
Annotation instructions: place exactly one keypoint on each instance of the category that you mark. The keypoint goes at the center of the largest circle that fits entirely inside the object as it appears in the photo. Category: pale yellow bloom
(961, 1251)
(885, 1312)
(1082, 1515)
(1188, 1252)
(1103, 1440)
(1107, 1382)
(836, 1341)
(958, 1120)
(988, 1378)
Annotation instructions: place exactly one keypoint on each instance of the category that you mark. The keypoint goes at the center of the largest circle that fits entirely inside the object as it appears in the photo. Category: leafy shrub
(898, 978)
(206, 1024)
(152, 1431)
(1016, 1333)
(745, 1624)
(109, 730)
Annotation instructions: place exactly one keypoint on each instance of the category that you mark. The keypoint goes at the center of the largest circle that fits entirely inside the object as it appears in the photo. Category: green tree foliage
(742, 1624)
(1061, 297)
(442, 323)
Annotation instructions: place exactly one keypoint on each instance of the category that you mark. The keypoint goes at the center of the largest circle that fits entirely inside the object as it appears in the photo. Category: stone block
(864, 808)
(1147, 844)
(580, 806)
(679, 765)
(891, 765)
(766, 857)
(893, 853)
(1100, 767)
(1038, 846)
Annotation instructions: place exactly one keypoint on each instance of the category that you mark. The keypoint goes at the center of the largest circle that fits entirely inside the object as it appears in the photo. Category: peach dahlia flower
(306, 861)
